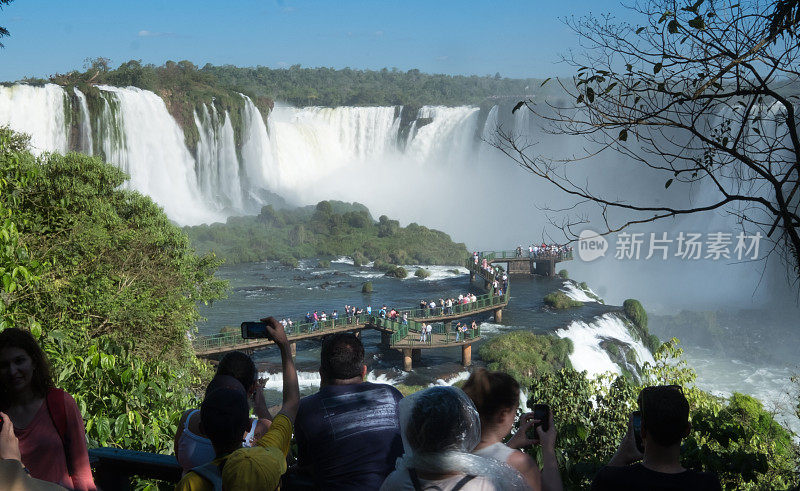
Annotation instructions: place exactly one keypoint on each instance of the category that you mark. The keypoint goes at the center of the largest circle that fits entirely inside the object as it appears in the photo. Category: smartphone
(542, 413)
(636, 423)
(254, 330)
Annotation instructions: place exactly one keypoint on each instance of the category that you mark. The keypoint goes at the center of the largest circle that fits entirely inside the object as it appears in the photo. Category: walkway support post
(386, 339)
(498, 315)
(293, 349)
(407, 359)
(466, 355)
(357, 334)
(416, 354)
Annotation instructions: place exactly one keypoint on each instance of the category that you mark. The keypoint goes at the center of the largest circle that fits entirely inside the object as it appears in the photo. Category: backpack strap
(460, 484)
(415, 480)
(211, 473)
(58, 414)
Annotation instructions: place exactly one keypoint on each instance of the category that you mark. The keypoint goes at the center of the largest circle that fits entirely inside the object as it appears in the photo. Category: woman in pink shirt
(35, 406)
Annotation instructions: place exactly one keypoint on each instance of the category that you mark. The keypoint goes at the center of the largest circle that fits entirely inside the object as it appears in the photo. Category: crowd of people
(546, 251)
(497, 275)
(433, 307)
(350, 435)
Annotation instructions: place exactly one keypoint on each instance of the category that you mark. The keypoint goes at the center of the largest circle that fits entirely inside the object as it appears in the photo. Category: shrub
(563, 274)
(324, 264)
(359, 259)
(525, 355)
(397, 272)
(422, 273)
(635, 312)
(366, 287)
(560, 300)
(382, 265)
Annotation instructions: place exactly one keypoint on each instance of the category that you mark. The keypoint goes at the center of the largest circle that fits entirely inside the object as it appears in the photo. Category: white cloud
(154, 34)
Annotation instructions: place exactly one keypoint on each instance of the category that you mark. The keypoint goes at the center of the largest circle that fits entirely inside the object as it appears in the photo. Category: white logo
(591, 245)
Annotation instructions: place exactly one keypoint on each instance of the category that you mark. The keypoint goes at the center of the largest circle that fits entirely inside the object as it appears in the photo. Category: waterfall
(305, 154)
(86, 144)
(217, 163)
(588, 355)
(149, 145)
(311, 143)
(448, 138)
(39, 112)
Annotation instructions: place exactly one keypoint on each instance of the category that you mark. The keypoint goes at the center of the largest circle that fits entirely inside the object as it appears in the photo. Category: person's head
(665, 415)
(342, 358)
(23, 366)
(241, 367)
(442, 419)
(224, 417)
(496, 396)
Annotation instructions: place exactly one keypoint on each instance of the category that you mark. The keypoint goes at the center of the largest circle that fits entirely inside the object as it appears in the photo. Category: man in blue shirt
(348, 433)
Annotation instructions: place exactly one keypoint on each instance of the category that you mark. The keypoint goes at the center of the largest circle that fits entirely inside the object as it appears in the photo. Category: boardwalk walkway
(394, 334)
(543, 264)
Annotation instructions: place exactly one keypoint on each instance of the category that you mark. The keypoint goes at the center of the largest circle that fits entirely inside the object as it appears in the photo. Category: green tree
(3, 30)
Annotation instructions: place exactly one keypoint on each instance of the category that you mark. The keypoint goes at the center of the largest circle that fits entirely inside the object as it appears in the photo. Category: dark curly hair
(239, 366)
(42, 380)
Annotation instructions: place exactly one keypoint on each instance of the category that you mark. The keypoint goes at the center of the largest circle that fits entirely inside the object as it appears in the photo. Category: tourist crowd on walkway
(427, 308)
(537, 251)
(463, 331)
(349, 435)
(495, 274)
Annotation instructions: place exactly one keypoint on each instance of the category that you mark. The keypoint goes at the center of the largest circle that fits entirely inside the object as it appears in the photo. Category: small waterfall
(257, 152)
(586, 338)
(217, 163)
(311, 143)
(141, 137)
(447, 138)
(39, 112)
(86, 144)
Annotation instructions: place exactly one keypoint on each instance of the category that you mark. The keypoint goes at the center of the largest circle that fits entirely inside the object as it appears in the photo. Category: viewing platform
(395, 334)
(543, 264)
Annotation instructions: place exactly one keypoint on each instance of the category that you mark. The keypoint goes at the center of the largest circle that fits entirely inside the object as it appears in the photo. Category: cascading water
(448, 138)
(39, 112)
(217, 163)
(153, 153)
(86, 143)
(312, 143)
(586, 338)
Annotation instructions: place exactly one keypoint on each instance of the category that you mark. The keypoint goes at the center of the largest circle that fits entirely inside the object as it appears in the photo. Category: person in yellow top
(224, 415)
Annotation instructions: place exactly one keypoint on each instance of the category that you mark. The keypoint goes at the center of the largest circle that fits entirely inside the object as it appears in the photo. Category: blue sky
(515, 38)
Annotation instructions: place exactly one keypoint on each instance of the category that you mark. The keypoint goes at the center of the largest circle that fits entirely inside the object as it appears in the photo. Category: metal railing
(495, 255)
(400, 330)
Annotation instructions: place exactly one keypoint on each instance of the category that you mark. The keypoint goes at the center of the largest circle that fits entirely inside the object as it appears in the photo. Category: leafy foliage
(331, 228)
(108, 286)
(422, 273)
(736, 439)
(560, 300)
(525, 355)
